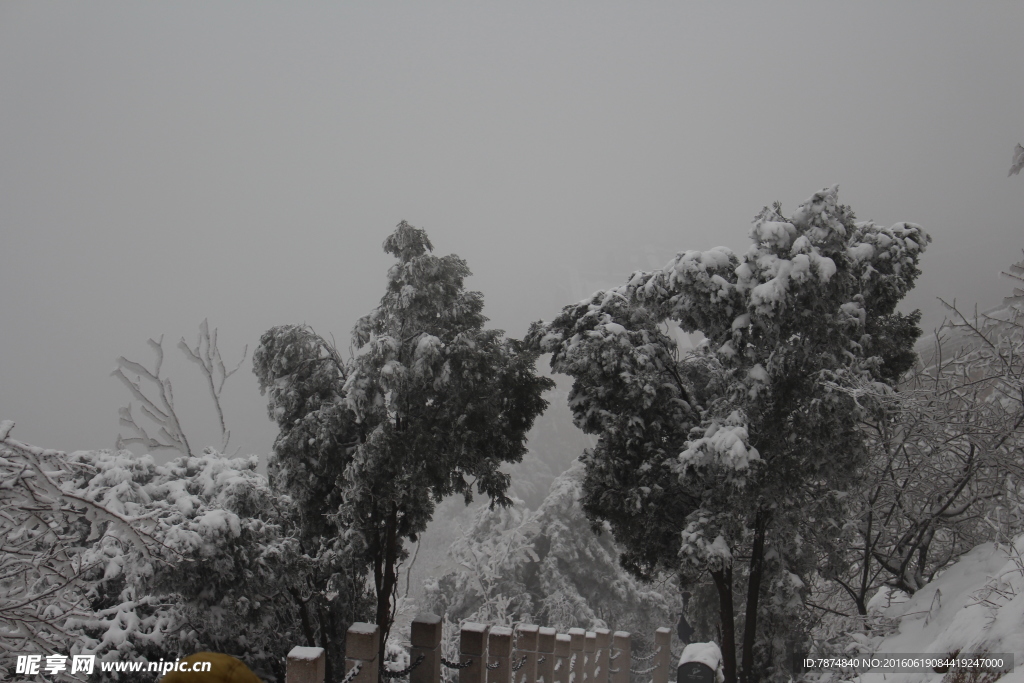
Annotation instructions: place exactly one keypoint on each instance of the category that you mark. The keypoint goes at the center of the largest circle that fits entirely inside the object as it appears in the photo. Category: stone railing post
(620, 660)
(361, 644)
(577, 636)
(590, 650)
(305, 665)
(499, 655)
(545, 651)
(663, 646)
(526, 640)
(603, 644)
(473, 648)
(563, 655)
(426, 642)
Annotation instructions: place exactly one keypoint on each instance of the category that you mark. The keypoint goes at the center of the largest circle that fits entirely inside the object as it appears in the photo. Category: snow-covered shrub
(229, 560)
(46, 528)
(945, 461)
(108, 553)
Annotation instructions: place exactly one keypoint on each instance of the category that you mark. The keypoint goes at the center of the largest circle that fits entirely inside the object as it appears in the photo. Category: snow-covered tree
(108, 553)
(945, 471)
(727, 457)
(44, 524)
(548, 567)
(430, 405)
(155, 395)
(230, 561)
(303, 376)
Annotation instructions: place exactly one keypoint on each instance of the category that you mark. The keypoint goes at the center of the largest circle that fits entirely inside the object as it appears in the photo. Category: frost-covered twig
(945, 471)
(207, 356)
(169, 435)
(160, 409)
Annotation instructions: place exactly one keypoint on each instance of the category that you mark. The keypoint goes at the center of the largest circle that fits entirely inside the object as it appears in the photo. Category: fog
(165, 163)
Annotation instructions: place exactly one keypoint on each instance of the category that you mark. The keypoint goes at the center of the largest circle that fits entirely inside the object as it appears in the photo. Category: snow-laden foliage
(230, 561)
(739, 449)
(108, 553)
(548, 567)
(432, 404)
(44, 524)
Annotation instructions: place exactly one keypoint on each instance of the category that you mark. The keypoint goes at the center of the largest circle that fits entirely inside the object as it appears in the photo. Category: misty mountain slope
(554, 445)
(548, 567)
(974, 606)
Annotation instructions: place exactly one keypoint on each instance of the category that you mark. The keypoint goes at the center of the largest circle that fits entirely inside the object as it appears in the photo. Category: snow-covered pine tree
(736, 450)
(430, 405)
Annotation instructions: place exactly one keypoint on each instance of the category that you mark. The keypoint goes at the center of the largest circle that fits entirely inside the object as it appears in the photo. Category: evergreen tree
(430, 405)
(740, 449)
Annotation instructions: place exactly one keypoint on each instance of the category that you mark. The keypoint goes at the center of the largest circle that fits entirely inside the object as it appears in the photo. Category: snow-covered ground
(975, 606)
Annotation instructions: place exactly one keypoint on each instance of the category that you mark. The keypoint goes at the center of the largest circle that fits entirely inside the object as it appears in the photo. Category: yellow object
(223, 669)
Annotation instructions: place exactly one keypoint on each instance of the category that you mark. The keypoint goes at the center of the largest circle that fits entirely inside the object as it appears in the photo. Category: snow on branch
(42, 567)
(1016, 273)
(160, 409)
(169, 434)
(945, 472)
(207, 356)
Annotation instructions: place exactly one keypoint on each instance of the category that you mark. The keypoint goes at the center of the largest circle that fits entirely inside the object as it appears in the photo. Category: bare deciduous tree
(207, 356)
(160, 410)
(947, 468)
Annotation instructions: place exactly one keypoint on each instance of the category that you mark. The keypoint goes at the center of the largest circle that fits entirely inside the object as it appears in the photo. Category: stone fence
(495, 654)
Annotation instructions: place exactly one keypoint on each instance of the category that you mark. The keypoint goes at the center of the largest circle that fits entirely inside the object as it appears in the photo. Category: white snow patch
(725, 443)
(948, 614)
(306, 654)
(758, 373)
(719, 548)
(708, 654)
(219, 521)
(861, 251)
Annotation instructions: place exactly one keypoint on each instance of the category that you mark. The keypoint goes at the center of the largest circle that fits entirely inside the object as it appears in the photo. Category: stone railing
(495, 654)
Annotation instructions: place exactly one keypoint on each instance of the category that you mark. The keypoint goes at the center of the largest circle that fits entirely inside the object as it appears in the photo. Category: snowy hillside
(974, 606)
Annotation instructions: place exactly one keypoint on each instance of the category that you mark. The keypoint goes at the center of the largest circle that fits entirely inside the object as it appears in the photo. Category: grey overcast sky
(165, 162)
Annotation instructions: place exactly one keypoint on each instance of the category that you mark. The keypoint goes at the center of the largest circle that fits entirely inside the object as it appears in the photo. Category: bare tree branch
(207, 356)
(163, 415)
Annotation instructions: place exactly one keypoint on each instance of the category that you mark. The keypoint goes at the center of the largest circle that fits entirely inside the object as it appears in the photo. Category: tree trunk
(325, 643)
(386, 579)
(307, 627)
(865, 575)
(753, 595)
(723, 582)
